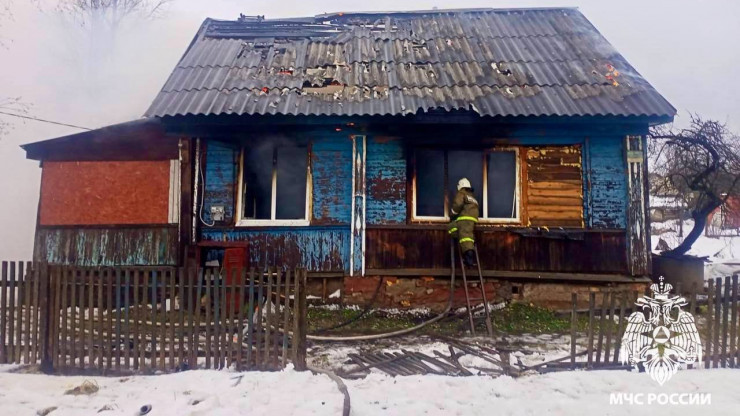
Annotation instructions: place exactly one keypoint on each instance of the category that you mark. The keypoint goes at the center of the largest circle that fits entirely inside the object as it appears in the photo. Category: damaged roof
(494, 62)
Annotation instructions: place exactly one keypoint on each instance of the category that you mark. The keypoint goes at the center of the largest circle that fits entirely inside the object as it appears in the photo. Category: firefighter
(464, 215)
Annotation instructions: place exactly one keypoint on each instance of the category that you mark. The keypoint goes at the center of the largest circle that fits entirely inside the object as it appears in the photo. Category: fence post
(300, 358)
(573, 323)
(45, 313)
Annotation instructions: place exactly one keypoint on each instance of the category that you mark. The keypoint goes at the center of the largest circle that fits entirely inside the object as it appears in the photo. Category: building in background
(334, 142)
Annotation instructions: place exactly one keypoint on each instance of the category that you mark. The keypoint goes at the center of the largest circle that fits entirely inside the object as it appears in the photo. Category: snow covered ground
(294, 393)
(723, 253)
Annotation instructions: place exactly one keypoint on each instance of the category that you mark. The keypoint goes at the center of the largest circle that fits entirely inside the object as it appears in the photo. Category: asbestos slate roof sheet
(513, 62)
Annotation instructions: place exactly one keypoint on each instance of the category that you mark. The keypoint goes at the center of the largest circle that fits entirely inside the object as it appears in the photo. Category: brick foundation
(433, 292)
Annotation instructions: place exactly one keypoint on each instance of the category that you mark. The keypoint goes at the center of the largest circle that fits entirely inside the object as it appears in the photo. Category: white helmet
(463, 183)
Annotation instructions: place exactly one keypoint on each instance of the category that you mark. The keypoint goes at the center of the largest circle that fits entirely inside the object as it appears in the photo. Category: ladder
(489, 325)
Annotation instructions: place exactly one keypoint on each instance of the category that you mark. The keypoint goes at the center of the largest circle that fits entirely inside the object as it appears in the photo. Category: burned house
(334, 142)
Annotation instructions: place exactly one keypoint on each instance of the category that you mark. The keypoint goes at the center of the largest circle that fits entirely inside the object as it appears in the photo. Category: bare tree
(88, 13)
(699, 163)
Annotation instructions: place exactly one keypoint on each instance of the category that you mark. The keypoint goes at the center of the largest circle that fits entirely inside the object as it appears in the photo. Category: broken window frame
(273, 221)
(484, 218)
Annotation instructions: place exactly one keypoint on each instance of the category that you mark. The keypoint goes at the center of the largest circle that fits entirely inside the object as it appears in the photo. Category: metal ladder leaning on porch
(489, 325)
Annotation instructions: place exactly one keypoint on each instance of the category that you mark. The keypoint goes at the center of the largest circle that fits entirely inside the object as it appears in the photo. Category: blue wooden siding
(331, 168)
(151, 246)
(608, 194)
(221, 169)
(386, 181)
(315, 248)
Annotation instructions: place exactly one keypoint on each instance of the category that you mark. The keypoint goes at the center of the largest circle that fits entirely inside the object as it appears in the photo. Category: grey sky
(687, 49)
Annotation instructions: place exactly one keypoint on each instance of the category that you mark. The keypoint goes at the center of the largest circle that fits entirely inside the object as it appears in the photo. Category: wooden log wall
(554, 186)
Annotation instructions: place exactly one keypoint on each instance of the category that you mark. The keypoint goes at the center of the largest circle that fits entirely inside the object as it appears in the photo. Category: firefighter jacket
(464, 206)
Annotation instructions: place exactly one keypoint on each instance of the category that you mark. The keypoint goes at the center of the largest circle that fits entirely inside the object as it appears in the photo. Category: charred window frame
(434, 171)
(263, 200)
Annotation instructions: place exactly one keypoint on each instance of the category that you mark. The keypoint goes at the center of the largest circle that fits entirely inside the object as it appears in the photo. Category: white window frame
(484, 209)
(273, 222)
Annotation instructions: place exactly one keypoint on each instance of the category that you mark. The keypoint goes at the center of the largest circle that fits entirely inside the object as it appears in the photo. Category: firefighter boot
(469, 258)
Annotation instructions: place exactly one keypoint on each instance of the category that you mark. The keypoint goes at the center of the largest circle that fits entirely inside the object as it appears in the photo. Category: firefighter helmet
(463, 183)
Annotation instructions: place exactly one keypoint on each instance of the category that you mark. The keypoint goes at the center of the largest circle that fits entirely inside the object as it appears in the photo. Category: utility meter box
(218, 212)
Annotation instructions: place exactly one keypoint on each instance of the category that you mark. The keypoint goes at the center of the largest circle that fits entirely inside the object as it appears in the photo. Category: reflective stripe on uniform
(465, 240)
(452, 230)
(467, 219)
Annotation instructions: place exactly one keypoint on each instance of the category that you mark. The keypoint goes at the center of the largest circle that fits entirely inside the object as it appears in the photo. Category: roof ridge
(398, 88)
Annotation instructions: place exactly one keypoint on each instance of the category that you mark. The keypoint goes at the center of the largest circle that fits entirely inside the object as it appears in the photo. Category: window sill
(481, 221)
(273, 223)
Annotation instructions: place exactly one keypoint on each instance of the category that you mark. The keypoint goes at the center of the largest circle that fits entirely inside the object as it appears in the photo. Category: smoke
(686, 50)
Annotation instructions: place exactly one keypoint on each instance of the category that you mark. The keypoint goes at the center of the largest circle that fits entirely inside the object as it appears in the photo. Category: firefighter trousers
(463, 231)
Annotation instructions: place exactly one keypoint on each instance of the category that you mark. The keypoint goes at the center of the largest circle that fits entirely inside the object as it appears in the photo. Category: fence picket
(85, 317)
(57, 313)
(733, 325)
(196, 283)
(170, 312)
(717, 321)
(591, 307)
(160, 325)
(573, 328)
(11, 314)
(250, 318)
(268, 320)
(28, 277)
(181, 282)
(286, 316)
(240, 319)
(725, 323)
(209, 299)
(223, 334)
(710, 324)
(258, 325)
(20, 285)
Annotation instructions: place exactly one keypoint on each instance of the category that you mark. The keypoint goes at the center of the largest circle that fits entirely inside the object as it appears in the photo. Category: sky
(687, 49)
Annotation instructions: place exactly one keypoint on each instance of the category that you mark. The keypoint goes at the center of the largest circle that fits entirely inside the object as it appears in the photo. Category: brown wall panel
(587, 252)
(94, 193)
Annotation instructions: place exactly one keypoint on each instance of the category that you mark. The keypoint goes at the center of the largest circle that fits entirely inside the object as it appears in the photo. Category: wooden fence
(151, 319)
(714, 307)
